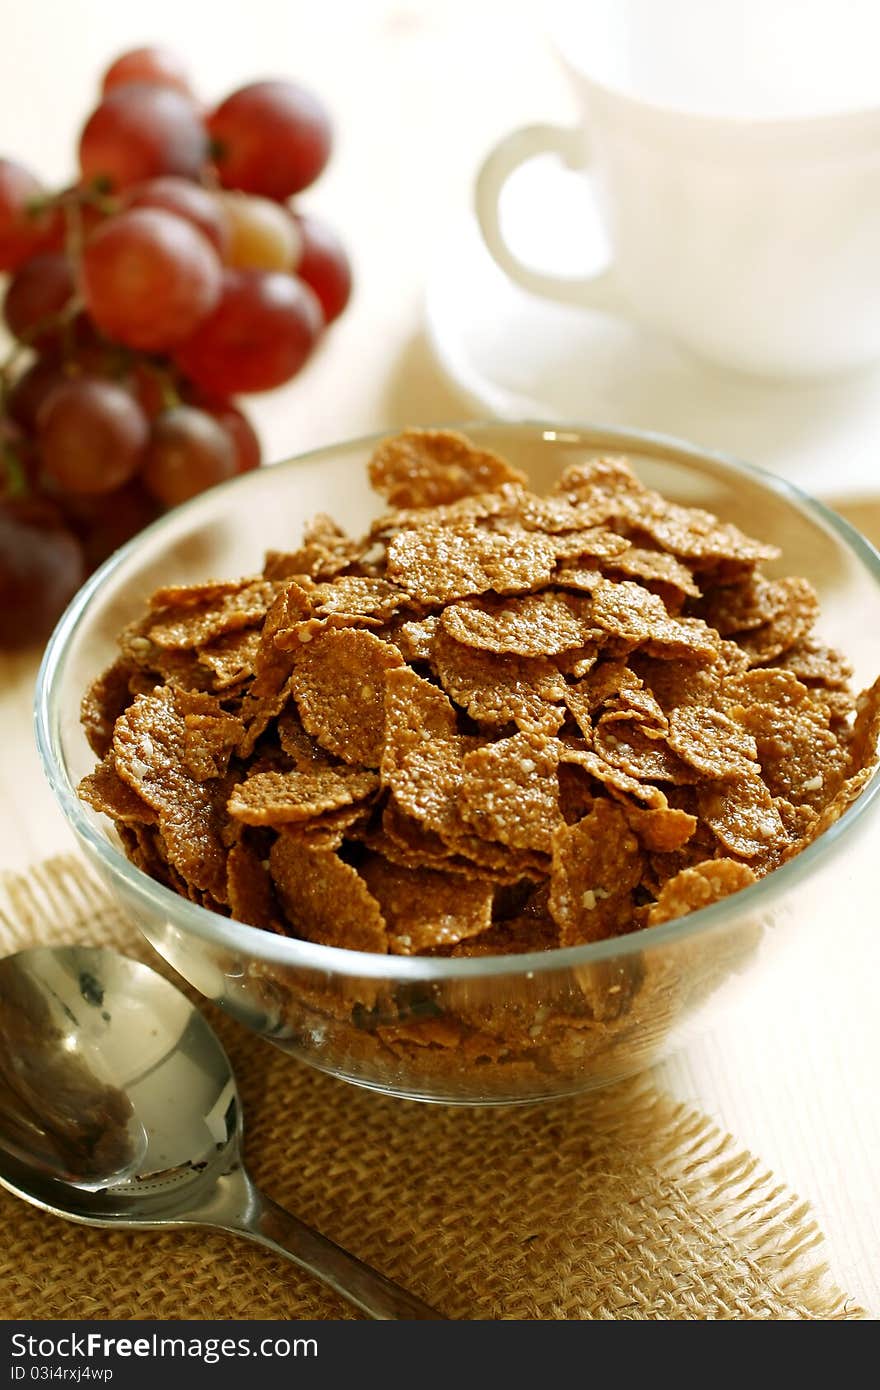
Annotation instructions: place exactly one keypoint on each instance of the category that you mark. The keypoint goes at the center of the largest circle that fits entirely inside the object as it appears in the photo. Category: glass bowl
(491, 1029)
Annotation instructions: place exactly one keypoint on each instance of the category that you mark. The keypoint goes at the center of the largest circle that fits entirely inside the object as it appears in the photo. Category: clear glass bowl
(491, 1029)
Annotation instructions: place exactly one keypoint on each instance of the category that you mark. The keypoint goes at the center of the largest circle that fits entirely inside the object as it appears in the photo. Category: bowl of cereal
(478, 765)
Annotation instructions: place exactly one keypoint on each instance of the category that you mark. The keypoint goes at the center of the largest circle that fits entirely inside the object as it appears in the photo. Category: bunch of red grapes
(173, 276)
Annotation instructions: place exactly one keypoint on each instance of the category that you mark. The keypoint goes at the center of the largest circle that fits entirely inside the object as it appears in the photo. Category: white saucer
(514, 355)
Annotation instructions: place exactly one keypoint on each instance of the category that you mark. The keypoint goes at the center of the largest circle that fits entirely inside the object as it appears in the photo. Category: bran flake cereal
(325, 899)
(426, 468)
(510, 792)
(539, 625)
(496, 690)
(276, 798)
(338, 683)
(694, 888)
(425, 909)
(616, 719)
(436, 565)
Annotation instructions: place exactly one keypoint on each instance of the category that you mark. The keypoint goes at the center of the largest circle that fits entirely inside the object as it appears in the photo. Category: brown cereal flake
(744, 606)
(353, 600)
(815, 664)
(266, 699)
(862, 747)
(797, 820)
(596, 865)
(244, 605)
(597, 485)
(149, 743)
(425, 909)
(437, 565)
(711, 743)
(579, 707)
(848, 792)
(556, 515)
(614, 778)
(325, 900)
(657, 568)
(583, 580)
(690, 533)
(509, 791)
(424, 468)
(604, 681)
(105, 790)
(628, 611)
(338, 683)
(679, 683)
(232, 658)
(622, 743)
(538, 625)
(276, 798)
(326, 551)
(250, 890)
(791, 624)
(743, 818)
(497, 690)
(414, 638)
(331, 828)
(103, 703)
(594, 543)
(661, 831)
(506, 500)
(423, 753)
(208, 743)
(698, 887)
(499, 862)
(299, 746)
(404, 840)
(185, 596)
(577, 662)
(801, 758)
(358, 594)
(634, 701)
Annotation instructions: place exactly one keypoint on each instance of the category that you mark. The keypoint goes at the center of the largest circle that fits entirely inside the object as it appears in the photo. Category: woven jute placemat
(622, 1204)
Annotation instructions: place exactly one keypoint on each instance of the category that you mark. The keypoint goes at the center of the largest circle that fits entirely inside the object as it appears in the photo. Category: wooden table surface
(419, 92)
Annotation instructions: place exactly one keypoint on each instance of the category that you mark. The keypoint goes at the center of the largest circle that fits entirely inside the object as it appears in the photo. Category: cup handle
(600, 291)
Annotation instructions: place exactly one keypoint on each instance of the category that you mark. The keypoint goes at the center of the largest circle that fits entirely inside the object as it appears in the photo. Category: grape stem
(16, 484)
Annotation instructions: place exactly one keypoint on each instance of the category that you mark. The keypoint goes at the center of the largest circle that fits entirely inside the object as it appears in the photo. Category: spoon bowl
(118, 1106)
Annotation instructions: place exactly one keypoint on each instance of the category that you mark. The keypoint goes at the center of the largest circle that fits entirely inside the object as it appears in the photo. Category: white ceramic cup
(734, 149)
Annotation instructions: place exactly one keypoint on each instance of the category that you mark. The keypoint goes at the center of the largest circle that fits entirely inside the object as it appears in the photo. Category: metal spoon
(118, 1107)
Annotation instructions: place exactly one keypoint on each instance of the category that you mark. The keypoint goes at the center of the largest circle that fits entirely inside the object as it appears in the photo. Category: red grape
(24, 226)
(140, 131)
(149, 278)
(188, 452)
(271, 138)
(324, 265)
(105, 523)
(157, 65)
(153, 385)
(259, 336)
(92, 436)
(37, 294)
(31, 389)
(190, 201)
(41, 568)
(248, 453)
(262, 234)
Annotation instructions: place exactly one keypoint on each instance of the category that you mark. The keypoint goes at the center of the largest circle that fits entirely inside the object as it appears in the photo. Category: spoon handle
(267, 1223)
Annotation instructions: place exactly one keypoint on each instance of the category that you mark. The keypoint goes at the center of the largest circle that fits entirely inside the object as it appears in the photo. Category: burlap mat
(618, 1205)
